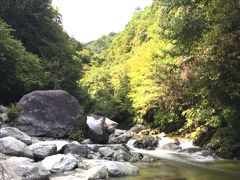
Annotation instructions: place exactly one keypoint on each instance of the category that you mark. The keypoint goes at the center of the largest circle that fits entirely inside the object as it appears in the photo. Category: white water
(174, 155)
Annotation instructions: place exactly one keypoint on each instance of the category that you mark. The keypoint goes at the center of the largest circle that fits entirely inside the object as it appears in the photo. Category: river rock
(19, 168)
(77, 149)
(60, 163)
(16, 133)
(52, 113)
(137, 128)
(120, 136)
(121, 155)
(11, 146)
(98, 128)
(115, 169)
(43, 149)
(106, 152)
(170, 146)
(146, 142)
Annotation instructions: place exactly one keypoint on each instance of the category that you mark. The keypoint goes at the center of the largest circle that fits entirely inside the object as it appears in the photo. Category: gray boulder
(115, 169)
(120, 136)
(52, 113)
(11, 146)
(16, 133)
(22, 169)
(98, 128)
(60, 163)
(77, 149)
(43, 149)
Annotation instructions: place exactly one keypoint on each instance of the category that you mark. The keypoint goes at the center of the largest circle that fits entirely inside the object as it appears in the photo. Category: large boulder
(13, 147)
(16, 133)
(98, 128)
(52, 113)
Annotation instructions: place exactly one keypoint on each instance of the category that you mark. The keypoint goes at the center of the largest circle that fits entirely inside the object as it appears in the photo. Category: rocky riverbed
(37, 145)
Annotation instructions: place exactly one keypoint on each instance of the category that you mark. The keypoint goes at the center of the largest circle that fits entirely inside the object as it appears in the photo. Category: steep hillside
(176, 65)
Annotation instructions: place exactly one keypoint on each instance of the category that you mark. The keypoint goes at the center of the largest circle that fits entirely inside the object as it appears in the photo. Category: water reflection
(170, 170)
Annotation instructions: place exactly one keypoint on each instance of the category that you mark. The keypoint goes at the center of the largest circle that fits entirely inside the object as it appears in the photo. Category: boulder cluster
(34, 145)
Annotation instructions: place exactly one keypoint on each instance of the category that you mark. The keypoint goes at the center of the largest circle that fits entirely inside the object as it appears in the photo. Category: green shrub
(76, 135)
(13, 111)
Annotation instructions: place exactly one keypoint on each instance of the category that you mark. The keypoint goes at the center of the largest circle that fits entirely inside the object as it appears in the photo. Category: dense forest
(35, 51)
(175, 66)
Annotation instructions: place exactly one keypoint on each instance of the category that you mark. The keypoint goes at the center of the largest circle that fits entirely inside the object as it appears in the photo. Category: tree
(21, 71)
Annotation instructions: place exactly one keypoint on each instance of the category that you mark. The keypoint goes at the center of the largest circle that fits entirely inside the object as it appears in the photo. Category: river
(172, 165)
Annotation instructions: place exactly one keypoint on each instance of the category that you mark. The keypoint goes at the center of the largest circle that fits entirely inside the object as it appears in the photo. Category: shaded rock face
(98, 128)
(50, 113)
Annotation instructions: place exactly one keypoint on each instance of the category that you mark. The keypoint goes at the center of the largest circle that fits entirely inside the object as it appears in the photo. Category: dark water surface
(171, 170)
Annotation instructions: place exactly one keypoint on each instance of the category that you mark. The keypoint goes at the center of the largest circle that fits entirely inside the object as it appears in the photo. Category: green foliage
(13, 111)
(76, 135)
(20, 70)
(181, 60)
(48, 58)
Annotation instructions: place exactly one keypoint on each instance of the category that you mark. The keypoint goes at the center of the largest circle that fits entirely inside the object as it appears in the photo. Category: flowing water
(174, 165)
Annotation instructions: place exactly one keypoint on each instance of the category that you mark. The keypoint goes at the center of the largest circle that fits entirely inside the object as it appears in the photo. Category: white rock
(60, 163)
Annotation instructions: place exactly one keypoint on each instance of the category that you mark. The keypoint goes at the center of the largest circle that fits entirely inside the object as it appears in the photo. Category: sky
(88, 20)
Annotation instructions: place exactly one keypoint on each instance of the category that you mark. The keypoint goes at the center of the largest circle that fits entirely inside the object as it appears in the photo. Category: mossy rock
(226, 143)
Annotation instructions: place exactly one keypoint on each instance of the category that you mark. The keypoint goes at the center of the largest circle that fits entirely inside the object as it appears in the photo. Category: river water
(172, 165)
(171, 170)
